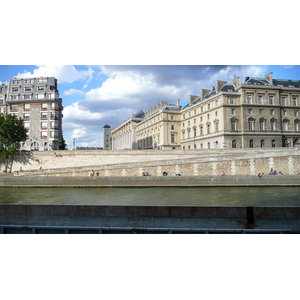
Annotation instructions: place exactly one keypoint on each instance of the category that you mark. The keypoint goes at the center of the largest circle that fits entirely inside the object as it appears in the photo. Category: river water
(166, 196)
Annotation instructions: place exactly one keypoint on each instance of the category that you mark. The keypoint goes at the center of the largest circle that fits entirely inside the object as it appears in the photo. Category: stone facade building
(37, 101)
(261, 112)
(258, 113)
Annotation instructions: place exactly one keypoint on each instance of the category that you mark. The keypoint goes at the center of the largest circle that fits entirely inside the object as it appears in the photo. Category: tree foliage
(12, 133)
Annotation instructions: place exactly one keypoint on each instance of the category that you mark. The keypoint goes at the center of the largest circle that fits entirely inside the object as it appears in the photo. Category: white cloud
(63, 73)
(72, 92)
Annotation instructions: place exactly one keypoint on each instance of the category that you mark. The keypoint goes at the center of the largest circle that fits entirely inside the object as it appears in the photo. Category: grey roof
(140, 114)
(106, 126)
(276, 82)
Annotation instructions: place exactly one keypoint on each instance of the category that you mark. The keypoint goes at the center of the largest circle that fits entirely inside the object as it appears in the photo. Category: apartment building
(37, 101)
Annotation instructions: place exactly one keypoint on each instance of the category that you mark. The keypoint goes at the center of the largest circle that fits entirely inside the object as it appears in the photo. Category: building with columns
(124, 136)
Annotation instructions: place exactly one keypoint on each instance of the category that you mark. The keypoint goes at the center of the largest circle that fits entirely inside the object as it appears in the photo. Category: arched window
(251, 143)
(208, 145)
(273, 144)
(201, 146)
(234, 144)
(262, 143)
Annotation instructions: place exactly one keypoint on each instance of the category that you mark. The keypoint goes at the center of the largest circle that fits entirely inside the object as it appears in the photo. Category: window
(43, 134)
(271, 100)
(233, 111)
(208, 106)
(208, 117)
(233, 125)
(250, 111)
(44, 115)
(234, 144)
(283, 100)
(1, 101)
(201, 130)
(216, 127)
(262, 125)
(194, 121)
(249, 99)
(13, 97)
(55, 106)
(216, 113)
(195, 132)
(273, 144)
(296, 126)
(285, 125)
(251, 144)
(272, 112)
(231, 101)
(41, 88)
(294, 101)
(53, 134)
(26, 125)
(44, 106)
(172, 117)
(172, 127)
(260, 100)
(295, 113)
(14, 107)
(208, 128)
(217, 103)
(44, 124)
(172, 138)
(250, 124)
(27, 106)
(189, 123)
(26, 116)
(262, 143)
(14, 89)
(201, 108)
(285, 113)
(272, 125)
(27, 89)
(261, 111)
(27, 97)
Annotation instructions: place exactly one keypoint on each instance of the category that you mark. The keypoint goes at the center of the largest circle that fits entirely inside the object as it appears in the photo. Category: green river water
(166, 196)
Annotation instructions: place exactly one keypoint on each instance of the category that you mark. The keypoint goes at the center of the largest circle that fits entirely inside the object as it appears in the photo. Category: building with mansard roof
(257, 113)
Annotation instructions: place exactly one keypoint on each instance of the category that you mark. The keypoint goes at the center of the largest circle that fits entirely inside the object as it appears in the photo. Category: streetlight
(74, 144)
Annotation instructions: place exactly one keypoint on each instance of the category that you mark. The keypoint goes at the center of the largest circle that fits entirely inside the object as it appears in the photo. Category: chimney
(192, 98)
(220, 84)
(204, 93)
(235, 81)
(269, 77)
(178, 102)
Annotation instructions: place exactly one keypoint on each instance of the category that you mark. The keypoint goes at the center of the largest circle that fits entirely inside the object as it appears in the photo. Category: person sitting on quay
(165, 173)
(222, 174)
(280, 173)
(259, 175)
(177, 174)
(145, 174)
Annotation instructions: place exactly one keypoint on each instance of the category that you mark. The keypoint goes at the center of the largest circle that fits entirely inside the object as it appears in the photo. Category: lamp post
(74, 144)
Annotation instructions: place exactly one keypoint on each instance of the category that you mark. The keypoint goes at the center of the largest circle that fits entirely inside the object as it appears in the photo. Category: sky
(96, 95)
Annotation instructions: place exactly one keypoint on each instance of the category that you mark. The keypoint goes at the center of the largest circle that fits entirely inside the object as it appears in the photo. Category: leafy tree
(12, 133)
(63, 145)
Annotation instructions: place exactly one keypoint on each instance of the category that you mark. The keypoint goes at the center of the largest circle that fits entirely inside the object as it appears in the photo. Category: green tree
(12, 133)
(63, 145)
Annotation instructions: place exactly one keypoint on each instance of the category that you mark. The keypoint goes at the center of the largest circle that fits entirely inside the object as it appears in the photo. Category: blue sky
(95, 95)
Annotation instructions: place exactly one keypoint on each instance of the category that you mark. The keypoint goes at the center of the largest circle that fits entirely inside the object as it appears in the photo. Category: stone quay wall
(134, 162)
